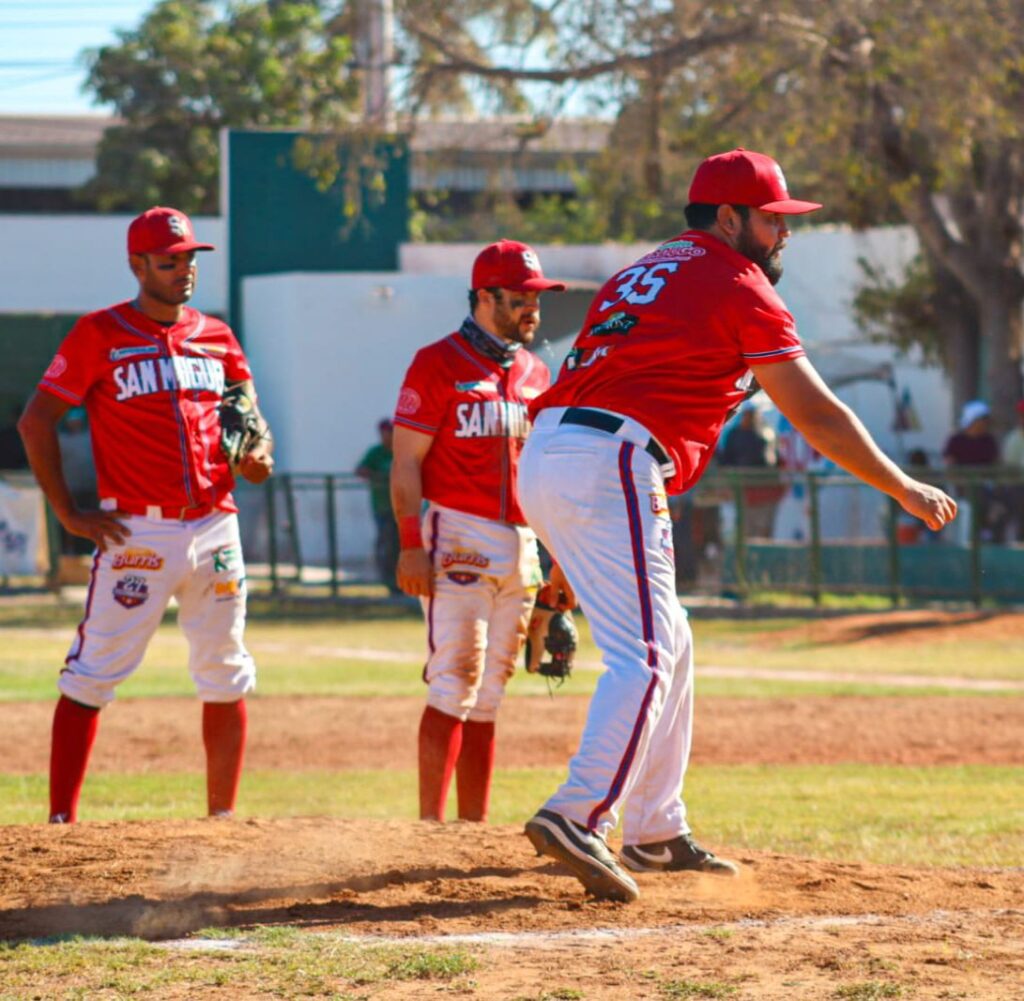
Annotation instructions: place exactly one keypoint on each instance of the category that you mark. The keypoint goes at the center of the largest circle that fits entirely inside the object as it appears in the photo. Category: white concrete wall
(78, 263)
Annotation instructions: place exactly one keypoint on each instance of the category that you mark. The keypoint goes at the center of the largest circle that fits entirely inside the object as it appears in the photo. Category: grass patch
(941, 816)
(365, 657)
(695, 989)
(869, 990)
(271, 962)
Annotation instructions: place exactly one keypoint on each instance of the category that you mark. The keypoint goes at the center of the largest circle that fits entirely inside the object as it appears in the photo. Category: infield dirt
(789, 927)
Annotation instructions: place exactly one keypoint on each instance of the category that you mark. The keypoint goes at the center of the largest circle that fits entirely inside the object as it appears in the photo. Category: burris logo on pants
(131, 591)
(137, 559)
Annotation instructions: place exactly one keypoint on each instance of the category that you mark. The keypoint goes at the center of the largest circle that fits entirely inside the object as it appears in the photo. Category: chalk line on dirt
(549, 939)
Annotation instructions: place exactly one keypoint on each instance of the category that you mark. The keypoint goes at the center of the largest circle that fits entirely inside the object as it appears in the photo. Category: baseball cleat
(585, 853)
(675, 855)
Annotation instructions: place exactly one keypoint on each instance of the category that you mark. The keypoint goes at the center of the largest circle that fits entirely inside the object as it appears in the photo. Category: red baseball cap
(742, 177)
(162, 230)
(512, 265)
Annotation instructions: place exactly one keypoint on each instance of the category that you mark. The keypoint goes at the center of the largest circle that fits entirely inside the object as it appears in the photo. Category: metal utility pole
(376, 53)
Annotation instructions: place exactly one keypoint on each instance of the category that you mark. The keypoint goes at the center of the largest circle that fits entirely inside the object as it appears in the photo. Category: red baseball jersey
(669, 341)
(476, 411)
(151, 393)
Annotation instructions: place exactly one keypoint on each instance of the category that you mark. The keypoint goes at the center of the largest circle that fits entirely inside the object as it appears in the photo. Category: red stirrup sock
(74, 733)
(439, 742)
(224, 728)
(474, 769)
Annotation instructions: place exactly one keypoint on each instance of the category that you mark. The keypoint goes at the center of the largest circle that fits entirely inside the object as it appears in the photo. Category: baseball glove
(240, 425)
(551, 631)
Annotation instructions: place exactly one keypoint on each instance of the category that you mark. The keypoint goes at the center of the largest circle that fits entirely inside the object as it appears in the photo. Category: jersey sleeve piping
(779, 354)
(52, 387)
(425, 428)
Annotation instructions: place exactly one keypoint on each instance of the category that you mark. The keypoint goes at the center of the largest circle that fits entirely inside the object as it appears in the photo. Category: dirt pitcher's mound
(786, 928)
(159, 879)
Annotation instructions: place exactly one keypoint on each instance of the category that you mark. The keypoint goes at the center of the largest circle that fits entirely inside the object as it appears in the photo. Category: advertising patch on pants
(131, 591)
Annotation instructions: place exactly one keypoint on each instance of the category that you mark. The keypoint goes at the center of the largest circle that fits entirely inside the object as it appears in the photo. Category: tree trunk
(999, 313)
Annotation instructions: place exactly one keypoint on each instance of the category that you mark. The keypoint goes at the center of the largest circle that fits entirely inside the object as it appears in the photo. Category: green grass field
(939, 815)
(378, 650)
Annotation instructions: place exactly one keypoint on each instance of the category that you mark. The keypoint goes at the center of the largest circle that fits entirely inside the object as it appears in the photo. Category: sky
(40, 43)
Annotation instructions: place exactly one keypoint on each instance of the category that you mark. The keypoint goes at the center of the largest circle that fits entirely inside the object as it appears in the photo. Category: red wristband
(409, 534)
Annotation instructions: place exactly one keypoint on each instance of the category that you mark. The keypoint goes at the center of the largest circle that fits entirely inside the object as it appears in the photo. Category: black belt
(607, 422)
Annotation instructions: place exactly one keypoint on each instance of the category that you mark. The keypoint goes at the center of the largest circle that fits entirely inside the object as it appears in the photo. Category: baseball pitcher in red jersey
(151, 373)
(460, 423)
(670, 347)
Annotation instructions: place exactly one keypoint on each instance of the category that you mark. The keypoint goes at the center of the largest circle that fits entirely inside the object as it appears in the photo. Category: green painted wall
(279, 220)
(27, 343)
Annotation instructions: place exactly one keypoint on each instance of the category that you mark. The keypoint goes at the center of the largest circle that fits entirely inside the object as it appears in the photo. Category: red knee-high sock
(474, 769)
(74, 732)
(224, 727)
(439, 743)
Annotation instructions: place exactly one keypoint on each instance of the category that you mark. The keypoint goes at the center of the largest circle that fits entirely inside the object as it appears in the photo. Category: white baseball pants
(486, 576)
(597, 501)
(199, 563)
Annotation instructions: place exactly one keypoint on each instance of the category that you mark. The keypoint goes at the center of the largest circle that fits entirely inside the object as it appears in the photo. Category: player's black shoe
(585, 853)
(675, 855)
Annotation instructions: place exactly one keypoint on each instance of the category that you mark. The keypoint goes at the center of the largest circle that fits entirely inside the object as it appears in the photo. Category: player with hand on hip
(460, 423)
(151, 373)
(670, 347)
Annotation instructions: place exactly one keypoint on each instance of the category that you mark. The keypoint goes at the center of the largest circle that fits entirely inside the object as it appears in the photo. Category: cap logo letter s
(531, 260)
(782, 178)
(177, 225)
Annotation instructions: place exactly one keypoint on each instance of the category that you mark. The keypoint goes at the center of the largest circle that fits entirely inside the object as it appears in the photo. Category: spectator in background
(1013, 458)
(750, 444)
(375, 468)
(12, 451)
(973, 446)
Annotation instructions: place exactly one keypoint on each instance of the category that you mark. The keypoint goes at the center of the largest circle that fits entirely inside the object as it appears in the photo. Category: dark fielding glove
(240, 429)
(551, 631)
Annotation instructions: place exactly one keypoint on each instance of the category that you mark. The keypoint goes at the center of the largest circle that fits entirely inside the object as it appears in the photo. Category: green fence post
(812, 502)
(975, 544)
(740, 546)
(293, 525)
(272, 535)
(895, 589)
(332, 535)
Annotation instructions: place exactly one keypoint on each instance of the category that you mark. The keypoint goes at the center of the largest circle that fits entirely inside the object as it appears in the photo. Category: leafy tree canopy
(186, 72)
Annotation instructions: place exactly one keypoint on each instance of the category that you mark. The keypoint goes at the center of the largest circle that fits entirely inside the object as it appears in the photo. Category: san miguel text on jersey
(168, 374)
(491, 418)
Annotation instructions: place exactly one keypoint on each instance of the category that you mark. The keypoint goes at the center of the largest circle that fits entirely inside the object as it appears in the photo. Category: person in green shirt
(375, 468)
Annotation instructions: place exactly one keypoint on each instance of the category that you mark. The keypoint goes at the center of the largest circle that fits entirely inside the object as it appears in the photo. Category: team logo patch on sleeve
(131, 591)
(56, 368)
(408, 401)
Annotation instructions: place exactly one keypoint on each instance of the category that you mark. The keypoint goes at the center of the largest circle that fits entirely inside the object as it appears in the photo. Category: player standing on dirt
(460, 423)
(151, 374)
(670, 347)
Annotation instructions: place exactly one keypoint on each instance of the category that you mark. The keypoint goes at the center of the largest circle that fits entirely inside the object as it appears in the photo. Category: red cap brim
(538, 285)
(184, 247)
(790, 206)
